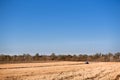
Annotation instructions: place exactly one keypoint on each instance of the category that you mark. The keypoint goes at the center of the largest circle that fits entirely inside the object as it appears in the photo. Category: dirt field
(60, 71)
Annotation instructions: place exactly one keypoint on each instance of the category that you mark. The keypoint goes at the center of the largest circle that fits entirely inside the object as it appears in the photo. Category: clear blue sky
(60, 26)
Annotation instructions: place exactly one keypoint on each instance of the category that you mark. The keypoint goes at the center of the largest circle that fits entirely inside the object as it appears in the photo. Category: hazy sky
(60, 26)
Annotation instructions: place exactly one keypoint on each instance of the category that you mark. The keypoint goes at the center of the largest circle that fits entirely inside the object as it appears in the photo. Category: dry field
(61, 71)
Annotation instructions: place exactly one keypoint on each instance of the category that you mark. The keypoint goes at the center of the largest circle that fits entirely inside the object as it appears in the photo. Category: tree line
(110, 57)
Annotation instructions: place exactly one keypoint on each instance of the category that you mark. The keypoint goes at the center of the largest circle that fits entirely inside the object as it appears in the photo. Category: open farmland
(61, 71)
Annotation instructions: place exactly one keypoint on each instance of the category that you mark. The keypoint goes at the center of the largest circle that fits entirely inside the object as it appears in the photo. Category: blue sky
(60, 26)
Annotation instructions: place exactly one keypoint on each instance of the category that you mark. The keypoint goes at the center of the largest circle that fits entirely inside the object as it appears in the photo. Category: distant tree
(117, 56)
(53, 56)
(69, 57)
(36, 57)
(61, 58)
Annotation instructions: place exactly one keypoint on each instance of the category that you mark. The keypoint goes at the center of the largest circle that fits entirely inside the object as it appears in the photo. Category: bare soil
(64, 70)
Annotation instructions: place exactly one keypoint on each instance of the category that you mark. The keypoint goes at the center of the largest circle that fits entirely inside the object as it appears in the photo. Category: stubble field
(61, 71)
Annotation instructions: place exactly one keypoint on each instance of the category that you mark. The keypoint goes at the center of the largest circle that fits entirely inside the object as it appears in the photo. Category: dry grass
(60, 71)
